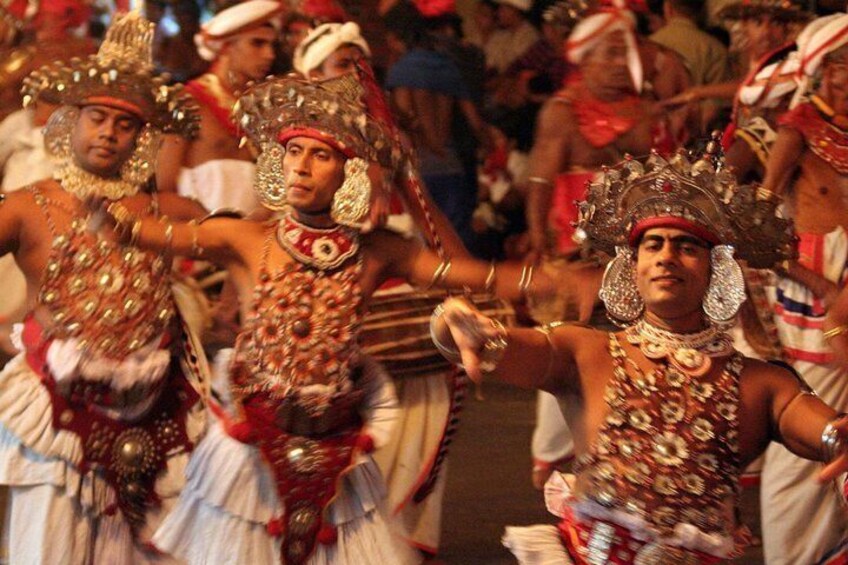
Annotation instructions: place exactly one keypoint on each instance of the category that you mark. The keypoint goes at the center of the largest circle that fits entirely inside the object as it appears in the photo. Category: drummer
(303, 280)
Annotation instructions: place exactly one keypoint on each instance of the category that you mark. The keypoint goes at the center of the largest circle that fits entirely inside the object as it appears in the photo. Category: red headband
(117, 103)
(675, 222)
(318, 135)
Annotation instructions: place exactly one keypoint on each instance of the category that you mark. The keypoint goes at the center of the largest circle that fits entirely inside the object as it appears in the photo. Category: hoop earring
(270, 183)
(352, 200)
(618, 287)
(726, 291)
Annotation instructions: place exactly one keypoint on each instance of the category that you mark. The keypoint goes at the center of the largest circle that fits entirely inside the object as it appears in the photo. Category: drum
(396, 331)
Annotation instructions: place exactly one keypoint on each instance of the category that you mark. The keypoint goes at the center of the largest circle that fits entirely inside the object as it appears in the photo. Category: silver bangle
(832, 444)
(448, 353)
(493, 348)
(525, 280)
(491, 278)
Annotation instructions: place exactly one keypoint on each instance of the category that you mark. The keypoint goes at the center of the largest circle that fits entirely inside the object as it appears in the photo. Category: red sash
(130, 455)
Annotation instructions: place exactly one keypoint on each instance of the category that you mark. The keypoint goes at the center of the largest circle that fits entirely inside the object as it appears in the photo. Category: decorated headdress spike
(701, 196)
(128, 42)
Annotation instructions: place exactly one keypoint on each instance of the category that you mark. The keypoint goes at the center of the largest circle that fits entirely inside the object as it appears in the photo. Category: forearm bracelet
(832, 443)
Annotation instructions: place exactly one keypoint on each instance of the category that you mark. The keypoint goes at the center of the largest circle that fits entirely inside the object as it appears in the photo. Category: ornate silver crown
(332, 107)
(122, 69)
(702, 192)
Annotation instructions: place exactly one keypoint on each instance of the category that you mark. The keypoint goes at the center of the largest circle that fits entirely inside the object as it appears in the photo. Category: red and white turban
(820, 37)
(323, 41)
(590, 31)
(774, 81)
(232, 21)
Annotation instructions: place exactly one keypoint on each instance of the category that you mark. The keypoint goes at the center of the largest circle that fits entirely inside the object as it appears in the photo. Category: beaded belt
(95, 393)
(595, 542)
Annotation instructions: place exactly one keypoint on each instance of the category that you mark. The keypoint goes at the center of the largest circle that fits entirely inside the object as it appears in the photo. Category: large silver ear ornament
(726, 292)
(352, 200)
(618, 288)
(270, 183)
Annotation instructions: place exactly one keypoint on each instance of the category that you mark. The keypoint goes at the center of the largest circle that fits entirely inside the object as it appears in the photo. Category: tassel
(274, 527)
(365, 443)
(327, 535)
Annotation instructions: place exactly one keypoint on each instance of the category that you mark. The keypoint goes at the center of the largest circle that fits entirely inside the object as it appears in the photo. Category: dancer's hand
(469, 330)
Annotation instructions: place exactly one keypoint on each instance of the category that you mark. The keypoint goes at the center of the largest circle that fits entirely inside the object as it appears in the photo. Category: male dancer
(665, 413)
(288, 475)
(96, 415)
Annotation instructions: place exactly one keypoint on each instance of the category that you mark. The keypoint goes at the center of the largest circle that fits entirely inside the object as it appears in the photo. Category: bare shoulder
(578, 338)
(24, 197)
(757, 373)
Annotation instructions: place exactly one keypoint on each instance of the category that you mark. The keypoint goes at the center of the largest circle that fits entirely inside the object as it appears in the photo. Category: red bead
(327, 535)
(274, 527)
(365, 443)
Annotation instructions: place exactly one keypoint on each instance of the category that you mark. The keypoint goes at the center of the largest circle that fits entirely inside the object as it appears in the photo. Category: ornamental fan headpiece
(331, 111)
(701, 197)
(120, 75)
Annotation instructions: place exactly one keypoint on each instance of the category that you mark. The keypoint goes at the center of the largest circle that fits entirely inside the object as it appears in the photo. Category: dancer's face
(314, 171)
(672, 272)
(104, 138)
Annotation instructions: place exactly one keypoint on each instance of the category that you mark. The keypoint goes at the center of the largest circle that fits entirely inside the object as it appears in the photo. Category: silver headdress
(701, 197)
(331, 111)
(120, 75)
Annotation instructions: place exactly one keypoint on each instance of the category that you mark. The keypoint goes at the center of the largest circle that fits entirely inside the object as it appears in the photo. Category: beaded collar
(690, 353)
(82, 184)
(321, 248)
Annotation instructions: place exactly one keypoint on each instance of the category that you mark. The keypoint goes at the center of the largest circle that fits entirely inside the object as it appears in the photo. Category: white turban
(825, 35)
(771, 83)
(590, 31)
(232, 21)
(323, 41)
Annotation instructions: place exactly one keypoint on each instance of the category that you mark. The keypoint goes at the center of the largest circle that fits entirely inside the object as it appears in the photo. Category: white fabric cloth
(233, 20)
(779, 76)
(409, 455)
(230, 496)
(590, 31)
(552, 440)
(23, 159)
(541, 545)
(826, 36)
(323, 41)
(56, 513)
(220, 183)
(801, 519)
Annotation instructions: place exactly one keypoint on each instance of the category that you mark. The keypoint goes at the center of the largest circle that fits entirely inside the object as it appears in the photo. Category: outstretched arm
(422, 267)
(528, 358)
(213, 240)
